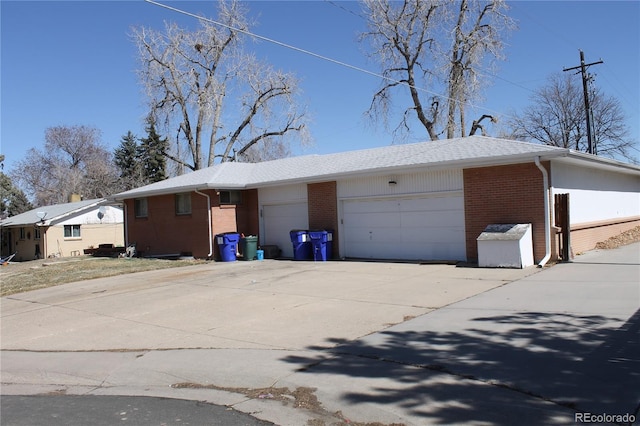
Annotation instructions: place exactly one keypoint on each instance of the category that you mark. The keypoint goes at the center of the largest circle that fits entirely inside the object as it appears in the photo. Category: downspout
(125, 207)
(209, 221)
(547, 214)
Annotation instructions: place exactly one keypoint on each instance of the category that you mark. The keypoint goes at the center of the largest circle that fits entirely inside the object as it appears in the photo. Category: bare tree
(478, 31)
(429, 47)
(73, 161)
(556, 116)
(402, 34)
(217, 98)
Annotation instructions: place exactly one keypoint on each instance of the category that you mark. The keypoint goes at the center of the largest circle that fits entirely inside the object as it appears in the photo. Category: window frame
(234, 197)
(138, 212)
(72, 229)
(183, 207)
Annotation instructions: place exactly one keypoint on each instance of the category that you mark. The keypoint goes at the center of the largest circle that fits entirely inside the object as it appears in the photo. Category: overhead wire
(315, 55)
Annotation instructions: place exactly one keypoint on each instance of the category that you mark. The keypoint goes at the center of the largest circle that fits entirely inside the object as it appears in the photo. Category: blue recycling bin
(228, 245)
(301, 244)
(322, 245)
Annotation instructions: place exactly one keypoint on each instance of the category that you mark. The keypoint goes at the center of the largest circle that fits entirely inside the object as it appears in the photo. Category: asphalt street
(63, 410)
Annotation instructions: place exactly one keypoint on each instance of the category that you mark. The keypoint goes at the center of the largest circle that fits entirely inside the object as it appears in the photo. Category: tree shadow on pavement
(494, 368)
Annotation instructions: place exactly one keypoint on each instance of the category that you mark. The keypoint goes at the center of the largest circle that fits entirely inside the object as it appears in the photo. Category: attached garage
(409, 216)
(422, 227)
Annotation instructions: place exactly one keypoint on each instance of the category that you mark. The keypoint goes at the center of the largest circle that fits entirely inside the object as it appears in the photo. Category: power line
(339, 6)
(291, 47)
(315, 55)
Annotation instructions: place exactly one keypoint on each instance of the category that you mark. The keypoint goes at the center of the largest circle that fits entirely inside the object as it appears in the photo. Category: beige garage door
(413, 228)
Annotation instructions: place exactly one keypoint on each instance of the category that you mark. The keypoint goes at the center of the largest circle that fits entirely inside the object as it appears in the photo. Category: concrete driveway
(257, 305)
(344, 342)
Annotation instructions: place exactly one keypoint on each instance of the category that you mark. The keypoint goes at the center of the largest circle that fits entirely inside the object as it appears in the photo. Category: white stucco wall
(596, 195)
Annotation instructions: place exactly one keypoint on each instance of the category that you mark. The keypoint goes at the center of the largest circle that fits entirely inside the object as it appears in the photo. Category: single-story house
(421, 201)
(62, 229)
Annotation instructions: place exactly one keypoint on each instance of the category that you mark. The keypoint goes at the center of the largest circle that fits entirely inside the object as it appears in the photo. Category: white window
(23, 234)
(183, 203)
(36, 233)
(72, 231)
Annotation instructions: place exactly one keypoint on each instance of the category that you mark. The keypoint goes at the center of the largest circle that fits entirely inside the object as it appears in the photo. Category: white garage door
(279, 219)
(418, 228)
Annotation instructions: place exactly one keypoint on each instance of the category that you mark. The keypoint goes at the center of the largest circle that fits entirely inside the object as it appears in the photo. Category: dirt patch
(301, 397)
(18, 277)
(627, 237)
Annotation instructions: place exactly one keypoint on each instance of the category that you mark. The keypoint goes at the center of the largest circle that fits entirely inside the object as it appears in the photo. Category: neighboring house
(423, 201)
(62, 229)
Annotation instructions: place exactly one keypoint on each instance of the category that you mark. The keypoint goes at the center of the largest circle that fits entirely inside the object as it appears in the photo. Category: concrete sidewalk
(467, 347)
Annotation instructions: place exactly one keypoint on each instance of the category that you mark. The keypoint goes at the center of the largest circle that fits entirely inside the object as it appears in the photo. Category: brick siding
(322, 202)
(504, 194)
(164, 232)
(584, 237)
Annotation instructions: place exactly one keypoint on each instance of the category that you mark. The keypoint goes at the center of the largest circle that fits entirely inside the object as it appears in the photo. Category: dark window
(230, 197)
(72, 231)
(140, 207)
(183, 203)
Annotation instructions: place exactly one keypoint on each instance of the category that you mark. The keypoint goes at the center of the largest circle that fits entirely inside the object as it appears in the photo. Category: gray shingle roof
(53, 212)
(471, 151)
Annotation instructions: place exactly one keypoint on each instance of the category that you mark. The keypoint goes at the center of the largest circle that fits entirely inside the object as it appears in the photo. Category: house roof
(473, 151)
(52, 213)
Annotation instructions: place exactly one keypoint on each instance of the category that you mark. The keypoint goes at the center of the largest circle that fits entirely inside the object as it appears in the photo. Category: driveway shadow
(580, 363)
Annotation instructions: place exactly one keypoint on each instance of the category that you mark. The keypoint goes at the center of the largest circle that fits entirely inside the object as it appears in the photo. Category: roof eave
(176, 190)
(440, 165)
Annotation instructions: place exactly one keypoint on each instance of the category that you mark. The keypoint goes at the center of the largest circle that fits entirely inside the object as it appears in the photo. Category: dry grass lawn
(19, 277)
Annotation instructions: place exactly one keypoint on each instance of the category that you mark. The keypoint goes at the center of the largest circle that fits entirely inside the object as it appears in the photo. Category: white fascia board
(175, 190)
(604, 163)
(80, 210)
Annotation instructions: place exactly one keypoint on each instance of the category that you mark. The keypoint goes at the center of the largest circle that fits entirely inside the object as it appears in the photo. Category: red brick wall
(164, 232)
(504, 194)
(247, 213)
(322, 201)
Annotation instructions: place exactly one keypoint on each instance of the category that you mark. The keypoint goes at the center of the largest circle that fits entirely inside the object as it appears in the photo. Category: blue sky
(73, 63)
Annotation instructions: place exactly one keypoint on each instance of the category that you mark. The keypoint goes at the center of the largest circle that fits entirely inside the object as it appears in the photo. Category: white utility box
(506, 246)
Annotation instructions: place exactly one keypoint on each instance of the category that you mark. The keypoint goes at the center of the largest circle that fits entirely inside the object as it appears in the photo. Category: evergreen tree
(127, 159)
(152, 152)
(13, 201)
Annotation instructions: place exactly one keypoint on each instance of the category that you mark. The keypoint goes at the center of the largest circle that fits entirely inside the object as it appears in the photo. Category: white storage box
(506, 246)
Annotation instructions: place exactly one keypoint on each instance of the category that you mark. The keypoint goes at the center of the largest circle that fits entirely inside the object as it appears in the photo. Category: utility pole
(587, 108)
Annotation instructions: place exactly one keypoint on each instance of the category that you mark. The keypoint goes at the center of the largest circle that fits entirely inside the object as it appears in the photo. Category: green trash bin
(249, 246)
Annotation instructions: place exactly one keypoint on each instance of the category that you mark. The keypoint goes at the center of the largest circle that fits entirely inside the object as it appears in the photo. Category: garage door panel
(373, 236)
(364, 206)
(435, 235)
(377, 220)
(405, 228)
(431, 219)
